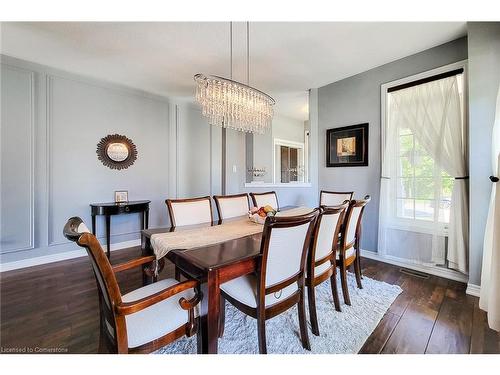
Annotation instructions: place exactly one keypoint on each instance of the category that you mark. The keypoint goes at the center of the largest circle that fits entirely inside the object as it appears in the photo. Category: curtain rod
(451, 73)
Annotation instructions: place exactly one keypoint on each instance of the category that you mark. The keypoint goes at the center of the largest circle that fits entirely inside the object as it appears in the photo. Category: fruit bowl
(259, 215)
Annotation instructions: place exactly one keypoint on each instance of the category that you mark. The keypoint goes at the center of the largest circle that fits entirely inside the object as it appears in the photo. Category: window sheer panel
(490, 275)
(422, 153)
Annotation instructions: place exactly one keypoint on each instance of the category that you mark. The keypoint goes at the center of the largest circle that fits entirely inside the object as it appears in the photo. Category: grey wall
(484, 79)
(299, 196)
(198, 153)
(284, 128)
(356, 100)
(51, 124)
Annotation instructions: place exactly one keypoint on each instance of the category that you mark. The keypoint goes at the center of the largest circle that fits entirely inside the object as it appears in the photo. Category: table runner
(162, 243)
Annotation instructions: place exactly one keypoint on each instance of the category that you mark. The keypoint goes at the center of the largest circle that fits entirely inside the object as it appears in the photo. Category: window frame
(397, 222)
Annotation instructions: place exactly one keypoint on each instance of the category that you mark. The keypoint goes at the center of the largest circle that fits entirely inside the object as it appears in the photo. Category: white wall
(284, 128)
(484, 80)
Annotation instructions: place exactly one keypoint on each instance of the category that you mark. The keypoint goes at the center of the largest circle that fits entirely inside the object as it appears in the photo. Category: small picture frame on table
(347, 146)
(121, 196)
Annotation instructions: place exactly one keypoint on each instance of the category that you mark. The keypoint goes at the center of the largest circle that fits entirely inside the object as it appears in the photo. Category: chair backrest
(229, 206)
(107, 286)
(325, 236)
(285, 241)
(352, 222)
(265, 199)
(189, 211)
(334, 198)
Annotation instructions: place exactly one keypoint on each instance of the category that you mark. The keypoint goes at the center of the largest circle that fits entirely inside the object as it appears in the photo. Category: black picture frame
(355, 140)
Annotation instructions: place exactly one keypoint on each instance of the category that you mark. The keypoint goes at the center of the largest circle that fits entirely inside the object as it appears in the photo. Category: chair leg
(311, 296)
(261, 330)
(335, 293)
(177, 274)
(222, 316)
(359, 264)
(343, 280)
(302, 322)
(357, 272)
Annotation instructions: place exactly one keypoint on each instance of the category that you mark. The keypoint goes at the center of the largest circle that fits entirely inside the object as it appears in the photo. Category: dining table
(212, 265)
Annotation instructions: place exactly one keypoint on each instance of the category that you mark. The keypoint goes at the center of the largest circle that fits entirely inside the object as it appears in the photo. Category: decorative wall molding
(473, 290)
(445, 273)
(48, 158)
(31, 74)
(31, 262)
(49, 79)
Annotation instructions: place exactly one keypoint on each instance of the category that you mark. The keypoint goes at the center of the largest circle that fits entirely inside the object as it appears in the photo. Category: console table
(112, 208)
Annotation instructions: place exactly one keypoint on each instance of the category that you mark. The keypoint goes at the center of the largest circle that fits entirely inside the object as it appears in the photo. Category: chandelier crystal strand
(234, 105)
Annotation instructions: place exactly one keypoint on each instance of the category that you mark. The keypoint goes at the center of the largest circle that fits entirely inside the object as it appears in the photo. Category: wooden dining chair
(269, 198)
(145, 319)
(334, 198)
(189, 211)
(321, 259)
(350, 238)
(229, 206)
(278, 283)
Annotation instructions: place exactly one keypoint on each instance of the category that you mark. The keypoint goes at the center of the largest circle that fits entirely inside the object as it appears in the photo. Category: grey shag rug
(342, 332)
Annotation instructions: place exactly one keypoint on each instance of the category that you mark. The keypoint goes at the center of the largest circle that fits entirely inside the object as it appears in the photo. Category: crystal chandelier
(232, 104)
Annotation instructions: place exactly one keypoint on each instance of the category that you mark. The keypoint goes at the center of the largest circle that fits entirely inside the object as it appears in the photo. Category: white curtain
(434, 115)
(490, 276)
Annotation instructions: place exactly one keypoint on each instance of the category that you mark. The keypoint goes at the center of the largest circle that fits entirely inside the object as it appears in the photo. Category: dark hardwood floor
(54, 307)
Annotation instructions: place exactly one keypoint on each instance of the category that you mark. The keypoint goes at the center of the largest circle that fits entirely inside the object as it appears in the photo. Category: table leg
(108, 234)
(93, 225)
(210, 321)
(147, 268)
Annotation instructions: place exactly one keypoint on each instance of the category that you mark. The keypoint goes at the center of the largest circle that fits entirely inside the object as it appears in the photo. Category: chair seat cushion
(157, 320)
(349, 253)
(244, 290)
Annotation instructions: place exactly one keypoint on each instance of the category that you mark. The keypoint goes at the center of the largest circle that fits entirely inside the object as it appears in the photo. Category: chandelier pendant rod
(224, 129)
(232, 104)
(248, 53)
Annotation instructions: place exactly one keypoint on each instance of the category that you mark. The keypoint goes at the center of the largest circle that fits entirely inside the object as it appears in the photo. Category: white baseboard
(436, 271)
(473, 290)
(4, 267)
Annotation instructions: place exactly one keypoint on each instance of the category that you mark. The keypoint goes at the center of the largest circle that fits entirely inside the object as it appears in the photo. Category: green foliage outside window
(417, 172)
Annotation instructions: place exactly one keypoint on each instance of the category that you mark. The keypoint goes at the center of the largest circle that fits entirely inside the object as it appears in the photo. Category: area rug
(342, 332)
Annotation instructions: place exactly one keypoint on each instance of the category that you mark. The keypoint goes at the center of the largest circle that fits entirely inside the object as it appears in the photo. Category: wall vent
(409, 272)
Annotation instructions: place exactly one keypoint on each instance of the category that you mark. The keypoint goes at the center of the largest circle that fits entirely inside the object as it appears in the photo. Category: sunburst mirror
(116, 151)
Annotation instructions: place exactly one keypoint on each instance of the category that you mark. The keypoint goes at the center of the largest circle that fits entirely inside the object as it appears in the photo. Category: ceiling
(286, 58)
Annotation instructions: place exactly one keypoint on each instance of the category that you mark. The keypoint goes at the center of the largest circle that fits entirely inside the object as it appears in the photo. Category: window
(423, 189)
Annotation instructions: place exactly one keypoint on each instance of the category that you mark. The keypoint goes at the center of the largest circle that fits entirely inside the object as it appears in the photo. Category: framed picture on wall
(347, 146)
